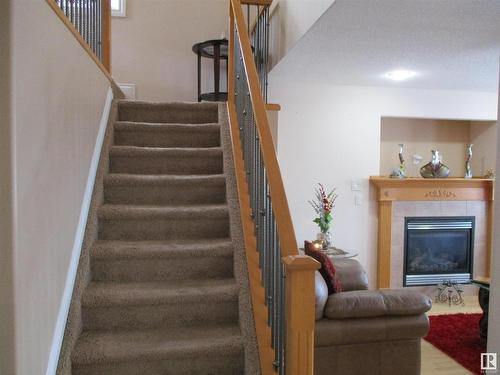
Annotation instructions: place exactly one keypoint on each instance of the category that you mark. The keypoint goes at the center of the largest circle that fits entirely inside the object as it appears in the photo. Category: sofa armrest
(370, 304)
(321, 292)
(351, 274)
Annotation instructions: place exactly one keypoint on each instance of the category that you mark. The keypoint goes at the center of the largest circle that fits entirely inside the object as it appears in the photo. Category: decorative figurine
(400, 172)
(490, 173)
(435, 169)
(468, 170)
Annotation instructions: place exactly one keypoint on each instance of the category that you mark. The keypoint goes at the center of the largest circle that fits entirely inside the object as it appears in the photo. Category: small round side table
(217, 50)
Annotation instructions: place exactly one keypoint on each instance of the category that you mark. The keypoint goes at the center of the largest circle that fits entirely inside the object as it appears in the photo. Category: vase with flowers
(323, 205)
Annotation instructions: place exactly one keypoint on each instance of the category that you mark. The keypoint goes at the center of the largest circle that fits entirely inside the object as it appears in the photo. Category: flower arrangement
(323, 205)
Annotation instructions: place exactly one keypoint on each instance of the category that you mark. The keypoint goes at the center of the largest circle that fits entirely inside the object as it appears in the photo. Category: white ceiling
(451, 44)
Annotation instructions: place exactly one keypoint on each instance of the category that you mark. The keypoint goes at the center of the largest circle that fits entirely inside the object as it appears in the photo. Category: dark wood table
(484, 301)
(217, 50)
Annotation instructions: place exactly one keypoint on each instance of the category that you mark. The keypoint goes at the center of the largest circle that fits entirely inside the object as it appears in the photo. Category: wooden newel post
(300, 313)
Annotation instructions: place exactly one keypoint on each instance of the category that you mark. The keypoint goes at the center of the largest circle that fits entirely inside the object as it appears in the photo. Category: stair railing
(281, 280)
(91, 19)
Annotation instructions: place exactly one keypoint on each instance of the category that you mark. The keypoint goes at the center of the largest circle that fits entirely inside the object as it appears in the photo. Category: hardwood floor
(434, 361)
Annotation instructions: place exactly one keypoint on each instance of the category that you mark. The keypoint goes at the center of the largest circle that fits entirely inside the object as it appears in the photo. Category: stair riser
(179, 268)
(179, 194)
(163, 315)
(180, 165)
(166, 139)
(171, 228)
(215, 364)
(169, 114)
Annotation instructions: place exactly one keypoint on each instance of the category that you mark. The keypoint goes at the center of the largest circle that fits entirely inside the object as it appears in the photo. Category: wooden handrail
(106, 34)
(281, 210)
(299, 269)
(273, 107)
(106, 43)
(256, 20)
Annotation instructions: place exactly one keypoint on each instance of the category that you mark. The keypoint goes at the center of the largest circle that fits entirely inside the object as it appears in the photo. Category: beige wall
(58, 99)
(484, 152)
(450, 137)
(494, 317)
(289, 21)
(151, 47)
(331, 134)
(7, 354)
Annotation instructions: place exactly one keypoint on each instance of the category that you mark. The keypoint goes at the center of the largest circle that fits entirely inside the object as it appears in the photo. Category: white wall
(57, 99)
(151, 47)
(7, 353)
(290, 20)
(494, 317)
(331, 134)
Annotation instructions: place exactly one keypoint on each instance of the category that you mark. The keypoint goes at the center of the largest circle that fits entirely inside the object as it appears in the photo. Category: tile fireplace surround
(413, 197)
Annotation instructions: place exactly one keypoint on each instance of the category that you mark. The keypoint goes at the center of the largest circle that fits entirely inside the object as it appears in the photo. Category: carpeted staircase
(163, 297)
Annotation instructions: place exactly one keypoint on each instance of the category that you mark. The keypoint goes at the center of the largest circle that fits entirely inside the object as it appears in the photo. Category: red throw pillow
(327, 269)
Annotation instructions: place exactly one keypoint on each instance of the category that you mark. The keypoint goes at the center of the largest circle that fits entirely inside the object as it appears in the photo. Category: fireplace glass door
(438, 249)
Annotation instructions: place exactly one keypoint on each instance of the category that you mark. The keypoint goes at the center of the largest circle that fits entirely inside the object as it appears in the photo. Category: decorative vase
(325, 238)
(435, 169)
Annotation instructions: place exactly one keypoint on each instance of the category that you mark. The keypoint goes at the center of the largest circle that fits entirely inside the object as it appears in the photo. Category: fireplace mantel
(422, 189)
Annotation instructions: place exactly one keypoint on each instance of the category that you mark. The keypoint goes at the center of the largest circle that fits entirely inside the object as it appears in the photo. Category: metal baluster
(91, 24)
(78, 21)
(263, 82)
(282, 320)
(87, 20)
(95, 25)
(98, 28)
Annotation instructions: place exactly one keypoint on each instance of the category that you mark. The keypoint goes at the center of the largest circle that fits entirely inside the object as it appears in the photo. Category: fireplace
(438, 249)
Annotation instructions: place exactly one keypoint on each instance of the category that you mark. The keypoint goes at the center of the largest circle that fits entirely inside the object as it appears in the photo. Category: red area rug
(457, 335)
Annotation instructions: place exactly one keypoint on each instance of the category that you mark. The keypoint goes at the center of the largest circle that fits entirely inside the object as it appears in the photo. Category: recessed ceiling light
(400, 75)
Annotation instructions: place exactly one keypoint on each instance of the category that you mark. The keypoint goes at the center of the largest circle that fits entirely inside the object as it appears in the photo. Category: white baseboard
(62, 316)
(128, 90)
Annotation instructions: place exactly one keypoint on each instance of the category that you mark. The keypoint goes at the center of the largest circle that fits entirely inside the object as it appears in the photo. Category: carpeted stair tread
(116, 211)
(143, 134)
(162, 249)
(164, 189)
(124, 179)
(154, 293)
(187, 342)
(144, 261)
(135, 151)
(190, 113)
(159, 127)
(162, 160)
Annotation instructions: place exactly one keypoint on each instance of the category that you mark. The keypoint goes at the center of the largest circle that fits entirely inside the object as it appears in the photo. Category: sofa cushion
(352, 276)
(330, 332)
(369, 304)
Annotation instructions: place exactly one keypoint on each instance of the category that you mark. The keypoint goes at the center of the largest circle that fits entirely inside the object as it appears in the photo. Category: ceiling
(451, 44)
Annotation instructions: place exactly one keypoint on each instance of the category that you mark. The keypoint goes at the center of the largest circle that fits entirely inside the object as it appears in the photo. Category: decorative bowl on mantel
(435, 168)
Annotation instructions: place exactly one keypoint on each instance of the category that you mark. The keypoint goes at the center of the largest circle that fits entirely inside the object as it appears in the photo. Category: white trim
(128, 90)
(122, 11)
(62, 316)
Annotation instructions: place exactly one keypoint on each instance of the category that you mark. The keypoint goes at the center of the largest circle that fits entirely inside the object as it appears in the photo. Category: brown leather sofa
(362, 332)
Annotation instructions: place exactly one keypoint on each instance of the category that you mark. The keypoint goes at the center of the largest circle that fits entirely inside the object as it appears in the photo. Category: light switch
(358, 199)
(355, 185)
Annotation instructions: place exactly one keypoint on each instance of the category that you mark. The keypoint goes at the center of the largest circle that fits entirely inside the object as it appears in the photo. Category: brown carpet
(162, 295)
